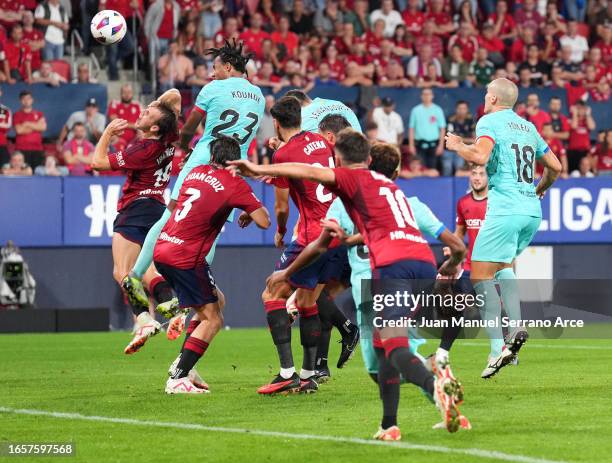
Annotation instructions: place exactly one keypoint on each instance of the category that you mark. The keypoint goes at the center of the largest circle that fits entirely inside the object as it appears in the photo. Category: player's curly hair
(385, 159)
(232, 53)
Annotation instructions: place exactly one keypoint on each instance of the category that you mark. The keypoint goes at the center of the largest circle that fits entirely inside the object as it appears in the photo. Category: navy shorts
(329, 266)
(134, 221)
(194, 287)
(392, 285)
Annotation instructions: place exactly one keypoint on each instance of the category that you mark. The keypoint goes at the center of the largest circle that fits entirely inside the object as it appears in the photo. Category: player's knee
(216, 321)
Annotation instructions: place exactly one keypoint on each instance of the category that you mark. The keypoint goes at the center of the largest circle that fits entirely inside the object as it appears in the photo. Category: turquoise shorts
(503, 237)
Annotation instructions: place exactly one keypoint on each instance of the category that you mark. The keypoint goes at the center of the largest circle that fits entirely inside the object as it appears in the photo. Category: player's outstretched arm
(189, 129)
(261, 217)
(457, 253)
(297, 170)
(171, 98)
(552, 170)
(100, 159)
(478, 153)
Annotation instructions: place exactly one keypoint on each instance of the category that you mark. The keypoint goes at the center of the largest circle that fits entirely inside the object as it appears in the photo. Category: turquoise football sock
(509, 288)
(146, 253)
(490, 311)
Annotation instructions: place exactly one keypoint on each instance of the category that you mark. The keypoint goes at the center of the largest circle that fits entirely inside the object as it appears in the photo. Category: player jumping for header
(509, 146)
(399, 256)
(148, 162)
(233, 107)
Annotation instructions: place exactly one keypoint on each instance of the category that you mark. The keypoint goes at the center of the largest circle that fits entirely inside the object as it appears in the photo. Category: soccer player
(148, 164)
(313, 111)
(312, 201)
(232, 106)
(399, 256)
(508, 146)
(207, 197)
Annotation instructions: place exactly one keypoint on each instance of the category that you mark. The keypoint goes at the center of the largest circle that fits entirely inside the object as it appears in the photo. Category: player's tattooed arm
(297, 170)
(100, 159)
(478, 153)
(552, 170)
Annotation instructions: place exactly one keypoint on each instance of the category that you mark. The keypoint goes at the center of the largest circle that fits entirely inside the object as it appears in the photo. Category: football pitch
(555, 406)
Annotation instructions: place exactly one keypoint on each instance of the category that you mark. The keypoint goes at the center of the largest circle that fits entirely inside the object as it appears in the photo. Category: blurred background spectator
(16, 166)
(51, 169)
(29, 125)
(426, 131)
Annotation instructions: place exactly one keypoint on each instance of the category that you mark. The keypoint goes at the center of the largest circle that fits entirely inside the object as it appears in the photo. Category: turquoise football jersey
(234, 107)
(314, 113)
(358, 256)
(511, 167)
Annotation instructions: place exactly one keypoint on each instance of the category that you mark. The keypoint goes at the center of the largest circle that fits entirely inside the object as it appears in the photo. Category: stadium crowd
(427, 44)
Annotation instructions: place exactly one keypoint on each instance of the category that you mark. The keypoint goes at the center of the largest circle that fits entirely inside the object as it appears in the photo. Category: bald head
(505, 91)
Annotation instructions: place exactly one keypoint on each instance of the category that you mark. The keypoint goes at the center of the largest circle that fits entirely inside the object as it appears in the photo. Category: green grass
(555, 405)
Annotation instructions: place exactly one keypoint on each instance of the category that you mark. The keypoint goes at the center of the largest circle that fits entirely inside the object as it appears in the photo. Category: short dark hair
(385, 159)
(24, 93)
(333, 123)
(301, 96)
(224, 149)
(167, 122)
(231, 53)
(287, 112)
(77, 124)
(462, 102)
(352, 146)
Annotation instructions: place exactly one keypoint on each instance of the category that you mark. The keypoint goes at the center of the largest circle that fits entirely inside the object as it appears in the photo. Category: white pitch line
(491, 454)
(543, 346)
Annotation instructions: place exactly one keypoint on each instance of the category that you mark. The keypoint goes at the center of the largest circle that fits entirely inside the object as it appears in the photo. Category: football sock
(490, 312)
(192, 352)
(323, 344)
(138, 310)
(279, 323)
(310, 332)
(305, 374)
(287, 373)
(389, 388)
(161, 290)
(329, 311)
(193, 324)
(409, 365)
(449, 334)
(442, 354)
(509, 289)
(146, 253)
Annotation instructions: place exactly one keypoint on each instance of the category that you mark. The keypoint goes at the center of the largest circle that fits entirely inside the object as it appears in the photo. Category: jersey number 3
(194, 194)
(230, 118)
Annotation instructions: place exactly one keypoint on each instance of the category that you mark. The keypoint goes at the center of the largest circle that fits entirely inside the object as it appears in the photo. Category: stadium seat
(62, 68)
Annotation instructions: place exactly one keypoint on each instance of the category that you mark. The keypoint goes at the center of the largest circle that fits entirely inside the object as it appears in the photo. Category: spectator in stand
(78, 151)
(538, 69)
(605, 44)
(210, 20)
(34, 38)
(45, 75)
(602, 92)
(174, 68)
(461, 123)
(91, 118)
(325, 20)
(417, 169)
(556, 146)
(161, 26)
(403, 42)
(391, 17)
(503, 23)
(535, 114)
(581, 125)
(577, 43)
(359, 17)
(602, 156)
(482, 69)
(558, 121)
(556, 78)
(524, 78)
(52, 17)
(418, 65)
(426, 130)
(493, 44)
(284, 38)
(394, 76)
(255, 35)
(371, 132)
(389, 122)
(468, 44)
(16, 166)
(554, 18)
(595, 58)
(549, 42)
(466, 11)
(83, 75)
(325, 77)
(355, 76)
(229, 32)
(571, 70)
(125, 108)
(443, 22)
(200, 76)
(518, 50)
(18, 62)
(267, 78)
(583, 170)
(346, 40)
(6, 121)
(413, 17)
(374, 37)
(432, 78)
(190, 42)
(428, 38)
(301, 21)
(528, 16)
(11, 12)
(51, 169)
(511, 72)
(590, 79)
(29, 126)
